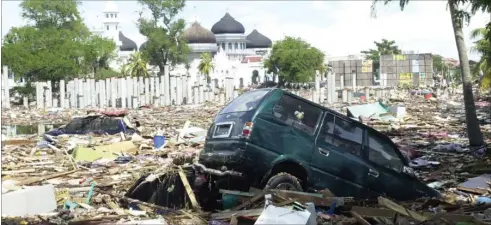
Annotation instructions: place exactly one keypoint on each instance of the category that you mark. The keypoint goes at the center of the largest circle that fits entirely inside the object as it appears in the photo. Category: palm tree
(124, 70)
(137, 65)
(457, 16)
(483, 46)
(206, 65)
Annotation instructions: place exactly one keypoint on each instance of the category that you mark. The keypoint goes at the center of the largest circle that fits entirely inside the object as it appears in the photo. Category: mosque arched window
(107, 27)
(229, 46)
(236, 46)
(115, 15)
(107, 15)
(223, 46)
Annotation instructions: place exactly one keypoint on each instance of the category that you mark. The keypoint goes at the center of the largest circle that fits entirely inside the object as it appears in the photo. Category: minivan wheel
(284, 181)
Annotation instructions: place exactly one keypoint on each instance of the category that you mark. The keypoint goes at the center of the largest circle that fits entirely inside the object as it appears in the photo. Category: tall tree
(458, 18)
(55, 45)
(137, 65)
(385, 47)
(294, 60)
(98, 52)
(166, 44)
(206, 65)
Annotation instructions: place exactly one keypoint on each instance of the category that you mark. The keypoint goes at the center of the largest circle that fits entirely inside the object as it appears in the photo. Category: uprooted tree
(294, 60)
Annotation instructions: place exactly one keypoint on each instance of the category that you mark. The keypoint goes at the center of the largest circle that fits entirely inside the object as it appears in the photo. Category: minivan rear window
(246, 102)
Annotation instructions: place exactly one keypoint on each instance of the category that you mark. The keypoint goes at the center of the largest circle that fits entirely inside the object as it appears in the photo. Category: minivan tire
(280, 179)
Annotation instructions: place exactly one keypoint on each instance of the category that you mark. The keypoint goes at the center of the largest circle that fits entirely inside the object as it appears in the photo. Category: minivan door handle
(373, 173)
(323, 151)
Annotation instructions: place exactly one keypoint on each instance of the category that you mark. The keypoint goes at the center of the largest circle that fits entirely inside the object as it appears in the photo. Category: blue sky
(336, 27)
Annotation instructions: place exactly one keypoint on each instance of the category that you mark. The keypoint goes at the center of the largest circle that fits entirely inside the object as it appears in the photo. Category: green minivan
(273, 139)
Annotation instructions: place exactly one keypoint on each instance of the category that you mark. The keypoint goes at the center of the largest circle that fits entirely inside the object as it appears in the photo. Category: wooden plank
(189, 190)
(317, 199)
(359, 218)
(228, 215)
(401, 210)
(250, 201)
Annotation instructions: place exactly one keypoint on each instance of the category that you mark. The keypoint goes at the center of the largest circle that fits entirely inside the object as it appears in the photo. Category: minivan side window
(342, 134)
(289, 110)
(383, 154)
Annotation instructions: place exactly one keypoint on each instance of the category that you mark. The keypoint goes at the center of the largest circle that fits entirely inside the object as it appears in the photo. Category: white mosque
(234, 53)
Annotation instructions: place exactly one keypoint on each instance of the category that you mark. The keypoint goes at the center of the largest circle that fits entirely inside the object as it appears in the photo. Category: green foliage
(166, 44)
(206, 65)
(438, 63)
(57, 45)
(98, 51)
(137, 65)
(385, 47)
(294, 60)
(482, 45)
(24, 91)
(105, 73)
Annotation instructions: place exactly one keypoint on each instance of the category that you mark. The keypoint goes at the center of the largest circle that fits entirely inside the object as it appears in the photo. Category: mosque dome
(258, 40)
(126, 43)
(228, 25)
(196, 34)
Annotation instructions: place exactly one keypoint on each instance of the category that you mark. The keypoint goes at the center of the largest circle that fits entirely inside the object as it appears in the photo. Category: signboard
(399, 57)
(405, 78)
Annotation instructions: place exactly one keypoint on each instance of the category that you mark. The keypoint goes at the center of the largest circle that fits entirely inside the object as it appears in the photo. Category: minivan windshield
(246, 102)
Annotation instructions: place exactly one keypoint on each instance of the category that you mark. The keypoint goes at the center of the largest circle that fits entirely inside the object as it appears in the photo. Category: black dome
(258, 40)
(126, 43)
(196, 34)
(228, 25)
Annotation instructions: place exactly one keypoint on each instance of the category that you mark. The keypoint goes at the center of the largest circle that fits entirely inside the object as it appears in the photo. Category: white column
(157, 92)
(334, 90)
(39, 95)
(62, 93)
(152, 91)
(317, 87)
(167, 86)
(172, 87)
(141, 90)
(114, 91)
(162, 90)
(178, 90)
(147, 91)
(136, 93)
(6, 88)
(49, 95)
(107, 87)
(353, 82)
(329, 87)
(189, 89)
(129, 92)
(122, 92)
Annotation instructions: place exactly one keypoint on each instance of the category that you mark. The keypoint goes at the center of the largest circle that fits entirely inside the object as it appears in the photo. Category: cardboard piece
(111, 151)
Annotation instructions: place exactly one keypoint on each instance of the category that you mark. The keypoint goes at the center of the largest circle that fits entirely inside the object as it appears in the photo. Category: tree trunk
(473, 130)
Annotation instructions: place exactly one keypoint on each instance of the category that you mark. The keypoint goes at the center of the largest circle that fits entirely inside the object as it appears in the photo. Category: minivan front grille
(223, 130)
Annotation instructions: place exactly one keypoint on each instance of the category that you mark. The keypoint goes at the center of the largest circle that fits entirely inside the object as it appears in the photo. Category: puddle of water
(10, 131)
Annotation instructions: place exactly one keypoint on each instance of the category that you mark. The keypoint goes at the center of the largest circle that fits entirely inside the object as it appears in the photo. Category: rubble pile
(85, 179)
